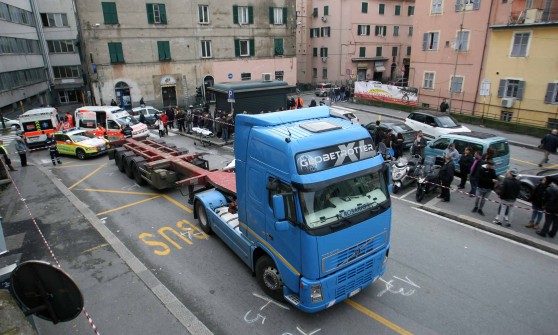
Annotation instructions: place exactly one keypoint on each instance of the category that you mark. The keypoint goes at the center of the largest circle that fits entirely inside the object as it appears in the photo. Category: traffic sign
(230, 76)
(230, 96)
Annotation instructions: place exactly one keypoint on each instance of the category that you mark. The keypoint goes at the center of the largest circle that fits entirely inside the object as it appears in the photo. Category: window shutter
(425, 41)
(119, 53)
(315, 12)
(326, 10)
(315, 52)
(285, 15)
(501, 88)
(271, 16)
(476, 4)
(458, 5)
(279, 46)
(163, 13)
(376, 31)
(235, 14)
(237, 48)
(112, 53)
(381, 9)
(550, 88)
(311, 32)
(378, 51)
(520, 90)
(150, 17)
(362, 52)
(435, 43)
(367, 30)
(410, 10)
(252, 47)
(110, 14)
(365, 7)
(397, 10)
(250, 15)
(329, 31)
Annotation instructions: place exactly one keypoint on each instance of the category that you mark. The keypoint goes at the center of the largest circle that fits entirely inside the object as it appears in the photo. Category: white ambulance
(37, 123)
(111, 118)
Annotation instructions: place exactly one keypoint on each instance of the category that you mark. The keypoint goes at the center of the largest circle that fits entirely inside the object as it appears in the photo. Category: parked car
(323, 89)
(344, 114)
(13, 124)
(148, 111)
(531, 178)
(478, 141)
(434, 124)
(397, 127)
(80, 143)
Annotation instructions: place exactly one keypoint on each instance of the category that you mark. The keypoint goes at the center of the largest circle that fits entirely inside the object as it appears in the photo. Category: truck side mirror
(279, 207)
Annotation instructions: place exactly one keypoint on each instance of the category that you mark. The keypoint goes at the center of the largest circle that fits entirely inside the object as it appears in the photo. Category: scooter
(428, 179)
(403, 172)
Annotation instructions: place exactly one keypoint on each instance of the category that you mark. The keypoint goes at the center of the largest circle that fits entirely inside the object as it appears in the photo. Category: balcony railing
(534, 15)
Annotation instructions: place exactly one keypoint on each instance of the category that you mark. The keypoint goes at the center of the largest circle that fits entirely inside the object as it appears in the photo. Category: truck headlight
(316, 293)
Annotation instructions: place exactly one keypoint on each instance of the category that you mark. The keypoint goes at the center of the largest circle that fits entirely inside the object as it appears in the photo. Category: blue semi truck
(307, 209)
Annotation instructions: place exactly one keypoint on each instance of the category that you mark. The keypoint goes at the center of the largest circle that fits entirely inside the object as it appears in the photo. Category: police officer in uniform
(51, 145)
(127, 131)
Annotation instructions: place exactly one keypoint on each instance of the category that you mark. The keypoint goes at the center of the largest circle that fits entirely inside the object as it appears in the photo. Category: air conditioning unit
(324, 18)
(324, 59)
(507, 102)
(266, 77)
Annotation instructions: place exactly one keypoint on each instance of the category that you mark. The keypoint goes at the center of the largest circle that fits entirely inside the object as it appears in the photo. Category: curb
(497, 230)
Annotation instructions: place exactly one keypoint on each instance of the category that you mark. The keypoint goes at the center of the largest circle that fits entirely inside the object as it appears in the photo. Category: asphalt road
(442, 278)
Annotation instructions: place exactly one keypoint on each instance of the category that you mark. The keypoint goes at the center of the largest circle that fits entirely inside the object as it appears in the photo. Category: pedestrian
(551, 210)
(142, 118)
(180, 120)
(397, 146)
(292, 103)
(170, 118)
(160, 126)
(419, 144)
(486, 178)
(22, 150)
(342, 91)
(299, 102)
(453, 153)
(4, 153)
(444, 106)
(165, 120)
(465, 163)
(52, 149)
(537, 203)
(142, 103)
(189, 119)
(474, 173)
(127, 131)
(113, 103)
(322, 102)
(508, 192)
(70, 119)
(488, 155)
(312, 103)
(446, 177)
(100, 131)
(549, 144)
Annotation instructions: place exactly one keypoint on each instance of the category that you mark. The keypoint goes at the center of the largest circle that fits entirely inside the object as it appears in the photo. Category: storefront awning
(379, 68)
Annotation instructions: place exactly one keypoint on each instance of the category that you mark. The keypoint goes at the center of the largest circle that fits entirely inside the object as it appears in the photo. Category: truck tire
(119, 159)
(128, 166)
(268, 278)
(135, 166)
(118, 155)
(202, 218)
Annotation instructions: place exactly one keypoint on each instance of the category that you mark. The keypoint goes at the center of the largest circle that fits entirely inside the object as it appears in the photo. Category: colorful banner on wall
(373, 90)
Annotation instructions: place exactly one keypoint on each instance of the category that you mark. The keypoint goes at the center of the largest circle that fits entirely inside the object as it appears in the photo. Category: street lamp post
(457, 50)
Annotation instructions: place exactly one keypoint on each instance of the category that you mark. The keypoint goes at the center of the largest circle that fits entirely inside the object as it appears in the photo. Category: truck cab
(314, 210)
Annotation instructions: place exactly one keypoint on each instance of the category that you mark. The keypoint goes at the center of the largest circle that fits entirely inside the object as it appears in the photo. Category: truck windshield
(345, 200)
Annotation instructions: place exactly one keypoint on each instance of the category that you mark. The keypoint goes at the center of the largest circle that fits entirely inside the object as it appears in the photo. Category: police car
(80, 143)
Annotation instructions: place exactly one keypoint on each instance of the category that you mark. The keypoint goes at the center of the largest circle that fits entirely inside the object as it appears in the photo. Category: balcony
(534, 16)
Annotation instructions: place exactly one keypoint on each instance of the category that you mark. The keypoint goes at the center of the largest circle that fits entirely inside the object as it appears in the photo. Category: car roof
(144, 107)
(431, 113)
(474, 134)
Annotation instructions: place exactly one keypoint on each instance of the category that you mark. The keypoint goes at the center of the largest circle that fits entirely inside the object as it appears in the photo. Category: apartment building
(343, 41)
(23, 75)
(163, 51)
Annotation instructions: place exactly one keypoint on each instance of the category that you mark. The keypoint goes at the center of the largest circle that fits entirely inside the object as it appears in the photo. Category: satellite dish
(46, 291)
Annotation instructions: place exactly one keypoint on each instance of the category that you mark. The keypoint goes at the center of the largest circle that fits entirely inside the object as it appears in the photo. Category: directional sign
(230, 96)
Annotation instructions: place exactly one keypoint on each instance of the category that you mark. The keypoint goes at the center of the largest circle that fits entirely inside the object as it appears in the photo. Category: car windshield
(82, 137)
(345, 200)
(401, 128)
(127, 119)
(446, 122)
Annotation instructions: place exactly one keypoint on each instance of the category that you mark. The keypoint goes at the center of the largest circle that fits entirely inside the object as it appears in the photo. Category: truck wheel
(128, 166)
(80, 154)
(269, 278)
(119, 158)
(202, 218)
(137, 174)
(420, 194)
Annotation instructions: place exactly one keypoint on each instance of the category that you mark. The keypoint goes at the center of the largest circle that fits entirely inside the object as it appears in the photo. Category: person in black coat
(551, 210)
(446, 177)
(397, 146)
(486, 178)
(474, 172)
(537, 203)
(465, 163)
(509, 191)
(549, 144)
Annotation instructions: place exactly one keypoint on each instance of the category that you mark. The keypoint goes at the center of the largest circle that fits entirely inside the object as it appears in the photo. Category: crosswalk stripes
(8, 138)
(155, 133)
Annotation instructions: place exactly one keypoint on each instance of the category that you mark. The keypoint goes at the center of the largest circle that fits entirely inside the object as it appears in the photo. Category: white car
(344, 114)
(149, 113)
(13, 124)
(434, 124)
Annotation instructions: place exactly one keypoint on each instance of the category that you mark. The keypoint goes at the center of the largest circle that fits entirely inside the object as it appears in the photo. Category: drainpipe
(458, 48)
(44, 46)
(483, 53)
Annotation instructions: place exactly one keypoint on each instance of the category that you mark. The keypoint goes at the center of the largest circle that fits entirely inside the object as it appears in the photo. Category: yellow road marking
(552, 166)
(74, 165)
(116, 191)
(177, 203)
(526, 162)
(95, 248)
(377, 317)
(89, 175)
(128, 205)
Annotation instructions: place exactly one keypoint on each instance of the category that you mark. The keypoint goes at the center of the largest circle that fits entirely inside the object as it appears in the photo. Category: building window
(315, 12)
(456, 84)
(206, 49)
(411, 11)
(279, 75)
(323, 52)
(244, 48)
(12, 45)
(430, 41)
(315, 32)
(436, 7)
(326, 10)
(380, 31)
(408, 50)
(314, 72)
(520, 44)
(378, 51)
(394, 51)
(551, 96)
(511, 88)
(16, 14)
(467, 5)
(245, 76)
(411, 31)
(381, 9)
(397, 10)
(203, 13)
(363, 30)
(395, 30)
(156, 13)
(109, 12)
(428, 80)
(243, 14)
(506, 116)
(116, 54)
(325, 31)
(277, 15)
(54, 19)
(462, 41)
(324, 73)
(61, 72)
(315, 52)
(364, 7)
(14, 79)
(71, 96)
(61, 46)
(164, 50)
(362, 52)
(278, 47)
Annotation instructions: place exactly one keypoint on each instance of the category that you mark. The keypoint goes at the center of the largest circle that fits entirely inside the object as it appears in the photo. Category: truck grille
(354, 278)
(336, 260)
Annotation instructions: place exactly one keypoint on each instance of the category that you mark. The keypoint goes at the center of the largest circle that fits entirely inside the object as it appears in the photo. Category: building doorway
(169, 95)
(122, 93)
(208, 82)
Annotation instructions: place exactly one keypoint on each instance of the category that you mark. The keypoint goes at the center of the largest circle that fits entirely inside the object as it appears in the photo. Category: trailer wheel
(128, 166)
(202, 218)
(119, 158)
(269, 278)
(137, 173)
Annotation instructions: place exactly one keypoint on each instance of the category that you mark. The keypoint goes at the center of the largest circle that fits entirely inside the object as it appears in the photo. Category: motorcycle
(427, 179)
(403, 172)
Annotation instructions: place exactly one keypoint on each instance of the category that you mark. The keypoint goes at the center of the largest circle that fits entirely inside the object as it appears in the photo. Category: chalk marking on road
(390, 286)
(270, 300)
(377, 317)
(128, 205)
(74, 165)
(488, 233)
(177, 203)
(86, 177)
(95, 248)
(115, 191)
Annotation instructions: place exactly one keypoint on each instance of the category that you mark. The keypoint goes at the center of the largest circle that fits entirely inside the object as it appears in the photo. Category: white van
(35, 124)
(111, 118)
